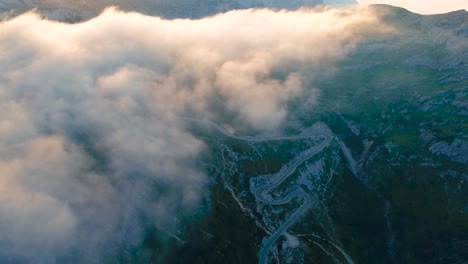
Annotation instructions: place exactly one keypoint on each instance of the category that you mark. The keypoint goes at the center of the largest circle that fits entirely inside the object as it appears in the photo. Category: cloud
(92, 149)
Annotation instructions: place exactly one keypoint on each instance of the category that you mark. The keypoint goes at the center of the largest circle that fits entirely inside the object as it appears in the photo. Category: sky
(423, 6)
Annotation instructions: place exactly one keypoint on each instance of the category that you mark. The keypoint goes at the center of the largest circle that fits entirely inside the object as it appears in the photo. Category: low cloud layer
(91, 147)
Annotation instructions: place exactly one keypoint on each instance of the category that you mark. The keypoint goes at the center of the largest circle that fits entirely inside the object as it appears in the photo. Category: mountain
(293, 4)
(340, 2)
(375, 171)
(73, 11)
(391, 185)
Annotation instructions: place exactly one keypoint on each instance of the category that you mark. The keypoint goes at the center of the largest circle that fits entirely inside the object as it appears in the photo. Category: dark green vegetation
(224, 235)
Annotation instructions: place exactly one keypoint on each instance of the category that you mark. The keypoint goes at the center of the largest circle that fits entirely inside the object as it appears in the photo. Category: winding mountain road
(261, 193)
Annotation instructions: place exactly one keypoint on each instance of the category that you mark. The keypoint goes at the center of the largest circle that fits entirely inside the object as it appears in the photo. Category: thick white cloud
(90, 141)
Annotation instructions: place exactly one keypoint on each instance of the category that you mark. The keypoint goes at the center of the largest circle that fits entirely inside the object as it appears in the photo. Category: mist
(92, 147)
